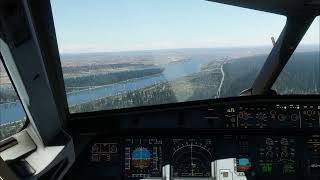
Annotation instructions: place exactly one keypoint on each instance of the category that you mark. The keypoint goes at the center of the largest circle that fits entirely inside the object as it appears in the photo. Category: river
(172, 71)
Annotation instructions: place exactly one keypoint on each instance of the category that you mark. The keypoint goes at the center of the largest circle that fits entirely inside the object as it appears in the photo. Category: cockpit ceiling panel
(283, 7)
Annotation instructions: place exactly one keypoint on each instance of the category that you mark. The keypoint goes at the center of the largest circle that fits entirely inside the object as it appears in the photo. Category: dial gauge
(192, 157)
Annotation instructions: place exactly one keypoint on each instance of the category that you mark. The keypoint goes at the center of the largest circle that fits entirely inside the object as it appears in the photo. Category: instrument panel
(265, 116)
(260, 140)
(253, 157)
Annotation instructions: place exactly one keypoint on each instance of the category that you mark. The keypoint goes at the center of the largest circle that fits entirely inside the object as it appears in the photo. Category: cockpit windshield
(124, 53)
(302, 73)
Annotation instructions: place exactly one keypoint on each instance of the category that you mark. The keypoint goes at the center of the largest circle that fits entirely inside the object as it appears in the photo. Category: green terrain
(300, 76)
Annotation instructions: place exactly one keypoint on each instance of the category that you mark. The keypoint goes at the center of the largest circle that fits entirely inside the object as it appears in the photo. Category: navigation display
(192, 157)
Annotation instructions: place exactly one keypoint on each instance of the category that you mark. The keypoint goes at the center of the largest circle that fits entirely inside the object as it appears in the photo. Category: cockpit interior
(160, 90)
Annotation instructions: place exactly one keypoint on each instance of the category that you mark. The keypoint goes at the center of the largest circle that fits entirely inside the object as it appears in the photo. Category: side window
(12, 114)
(302, 73)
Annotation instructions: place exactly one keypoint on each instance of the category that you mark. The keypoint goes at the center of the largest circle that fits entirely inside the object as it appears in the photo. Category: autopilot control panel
(265, 116)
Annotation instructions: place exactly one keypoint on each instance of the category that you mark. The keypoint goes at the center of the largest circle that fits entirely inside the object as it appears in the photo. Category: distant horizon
(126, 25)
(190, 48)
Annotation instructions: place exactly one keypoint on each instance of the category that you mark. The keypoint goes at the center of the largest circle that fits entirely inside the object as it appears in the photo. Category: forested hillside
(300, 76)
(101, 79)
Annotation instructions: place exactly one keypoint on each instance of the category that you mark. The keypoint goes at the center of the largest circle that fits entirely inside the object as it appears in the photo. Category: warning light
(266, 167)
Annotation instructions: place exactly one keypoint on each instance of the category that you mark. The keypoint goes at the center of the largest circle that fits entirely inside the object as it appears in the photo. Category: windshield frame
(26, 120)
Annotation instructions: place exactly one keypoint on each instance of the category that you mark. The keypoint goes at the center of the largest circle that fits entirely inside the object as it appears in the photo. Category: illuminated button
(266, 167)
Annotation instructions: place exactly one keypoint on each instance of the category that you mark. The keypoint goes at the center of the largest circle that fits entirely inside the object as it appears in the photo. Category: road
(221, 82)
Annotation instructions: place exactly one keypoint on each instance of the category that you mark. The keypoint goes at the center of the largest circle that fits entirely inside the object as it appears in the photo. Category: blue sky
(122, 25)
